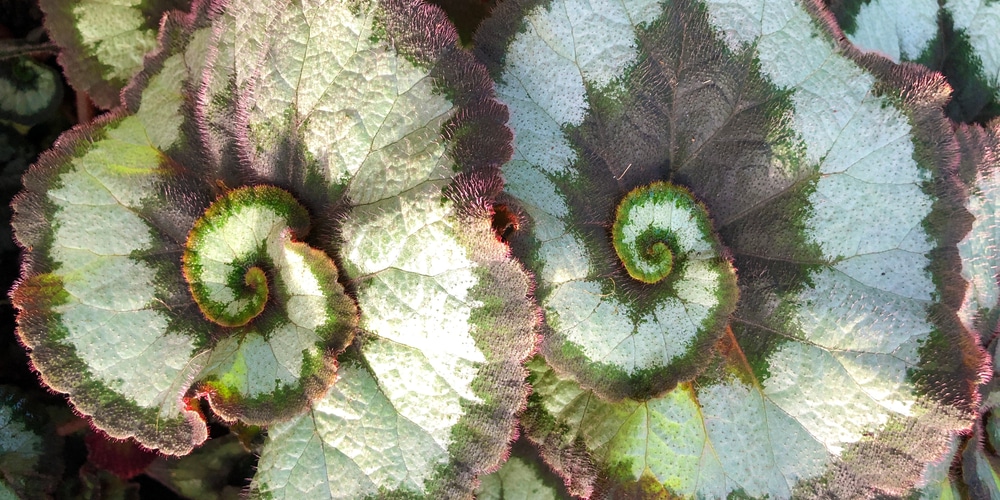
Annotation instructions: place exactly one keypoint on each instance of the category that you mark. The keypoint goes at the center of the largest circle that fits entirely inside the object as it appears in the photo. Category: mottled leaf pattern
(306, 242)
(444, 313)
(902, 31)
(980, 148)
(826, 185)
(97, 306)
(750, 243)
(103, 43)
(957, 37)
(980, 168)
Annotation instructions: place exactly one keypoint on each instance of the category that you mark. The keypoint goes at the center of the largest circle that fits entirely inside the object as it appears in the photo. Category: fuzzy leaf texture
(828, 177)
(960, 39)
(956, 37)
(980, 170)
(102, 44)
(290, 217)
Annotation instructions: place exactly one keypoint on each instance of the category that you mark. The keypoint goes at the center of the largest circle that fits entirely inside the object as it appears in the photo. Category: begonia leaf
(29, 91)
(938, 483)
(103, 42)
(29, 448)
(956, 37)
(980, 167)
(980, 148)
(843, 369)
(114, 322)
(523, 477)
(902, 31)
(393, 132)
(101, 299)
(291, 217)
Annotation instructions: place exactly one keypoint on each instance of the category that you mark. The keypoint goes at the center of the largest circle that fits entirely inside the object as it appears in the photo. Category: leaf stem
(10, 49)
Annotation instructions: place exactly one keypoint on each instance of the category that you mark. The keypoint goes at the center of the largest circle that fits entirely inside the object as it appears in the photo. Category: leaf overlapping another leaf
(388, 140)
(955, 37)
(103, 43)
(828, 176)
(959, 39)
(31, 91)
(979, 170)
(97, 327)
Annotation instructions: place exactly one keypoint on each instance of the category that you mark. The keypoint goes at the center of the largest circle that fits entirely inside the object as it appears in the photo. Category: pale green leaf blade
(902, 31)
(103, 43)
(139, 253)
(237, 247)
(242, 257)
(978, 249)
(369, 112)
(727, 437)
(351, 444)
(825, 177)
(972, 62)
(979, 20)
(979, 255)
(95, 306)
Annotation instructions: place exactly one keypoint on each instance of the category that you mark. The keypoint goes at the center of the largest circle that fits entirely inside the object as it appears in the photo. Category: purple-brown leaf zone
(123, 458)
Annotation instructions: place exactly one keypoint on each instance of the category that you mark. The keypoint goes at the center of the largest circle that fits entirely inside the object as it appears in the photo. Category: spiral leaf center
(244, 232)
(655, 227)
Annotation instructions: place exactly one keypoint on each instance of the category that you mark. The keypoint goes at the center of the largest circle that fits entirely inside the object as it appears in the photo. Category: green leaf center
(231, 248)
(650, 224)
(654, 251)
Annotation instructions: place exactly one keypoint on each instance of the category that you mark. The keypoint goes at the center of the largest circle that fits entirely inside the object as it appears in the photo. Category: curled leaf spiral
(656, 225)
(241, 234)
